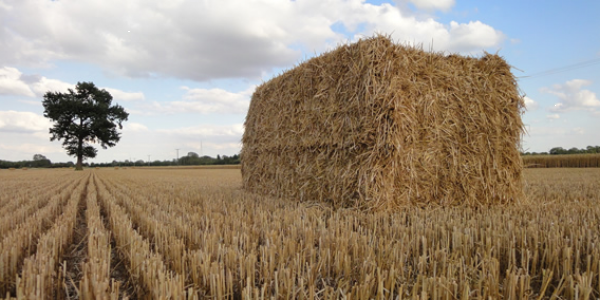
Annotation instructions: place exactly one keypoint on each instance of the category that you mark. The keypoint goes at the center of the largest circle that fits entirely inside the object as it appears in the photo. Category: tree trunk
(78, 166)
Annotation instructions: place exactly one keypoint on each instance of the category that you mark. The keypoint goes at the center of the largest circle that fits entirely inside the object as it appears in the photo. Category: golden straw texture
(378, 125)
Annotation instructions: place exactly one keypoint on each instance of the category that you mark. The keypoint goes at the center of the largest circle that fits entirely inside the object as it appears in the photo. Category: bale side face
(378, 125)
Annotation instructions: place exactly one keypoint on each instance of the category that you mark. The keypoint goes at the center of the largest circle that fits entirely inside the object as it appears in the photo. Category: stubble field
(194, 234)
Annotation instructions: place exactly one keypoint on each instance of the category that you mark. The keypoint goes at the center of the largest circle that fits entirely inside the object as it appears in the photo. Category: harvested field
(562, 161)
(195, 234)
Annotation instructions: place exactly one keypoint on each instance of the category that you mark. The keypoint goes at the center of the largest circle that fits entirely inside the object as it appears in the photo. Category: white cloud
(208, 139)
(572, 97)
(472, 36)
(553, 116)
(530, 104)
(30, 102)
(545, 137)
(203, 40)
(444, 5)
(221, 148)
(125, 96)
(207, 131)
(44, 85)
(5, 6)
(30, 149)
(134, 127)
(546, 131)
(11, 83)
(15, 121)
(206, 101)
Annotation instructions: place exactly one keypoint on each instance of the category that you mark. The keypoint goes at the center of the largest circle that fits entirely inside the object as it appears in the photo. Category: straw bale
(379, 125)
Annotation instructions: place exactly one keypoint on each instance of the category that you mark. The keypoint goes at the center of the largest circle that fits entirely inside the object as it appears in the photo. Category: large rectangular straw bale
(378, 125)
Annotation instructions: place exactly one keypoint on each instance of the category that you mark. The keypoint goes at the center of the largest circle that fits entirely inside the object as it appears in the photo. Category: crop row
(96, 282)
(241, 245)
(22, 240)
(40, 279)
(145, 266)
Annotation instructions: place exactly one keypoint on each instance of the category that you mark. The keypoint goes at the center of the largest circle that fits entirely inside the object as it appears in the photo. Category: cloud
(125, 96)
(30, 149)
(44, 85)
(578, 130)
(553, 116)
(11, 83)
(25, 122)
(207, 131)
(204, 40)
(30, 102)
(545, 137)
(572, 97)
(546, 131)
(530, 104)
(443, 5)
(472, 36)
(209, 139)
(134, 127)
(206, 101)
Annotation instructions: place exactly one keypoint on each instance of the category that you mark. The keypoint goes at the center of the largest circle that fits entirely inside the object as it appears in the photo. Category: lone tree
(83, 117)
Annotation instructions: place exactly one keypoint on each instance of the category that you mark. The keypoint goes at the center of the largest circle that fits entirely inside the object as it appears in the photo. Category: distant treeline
(192, 159)
(38, 161)
(561, 150)
(559, 157)
(562, 161)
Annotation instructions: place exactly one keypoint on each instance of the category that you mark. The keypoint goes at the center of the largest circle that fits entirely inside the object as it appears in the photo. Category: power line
(579, 65)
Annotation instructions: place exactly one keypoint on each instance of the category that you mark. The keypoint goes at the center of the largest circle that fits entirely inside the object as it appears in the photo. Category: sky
(185, 70)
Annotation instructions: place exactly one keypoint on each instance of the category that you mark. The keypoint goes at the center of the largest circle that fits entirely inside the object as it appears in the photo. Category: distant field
(192, 233)
(197, 167)
(562, 161)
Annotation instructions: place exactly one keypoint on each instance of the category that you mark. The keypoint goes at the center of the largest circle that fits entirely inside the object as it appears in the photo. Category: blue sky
(185, 70)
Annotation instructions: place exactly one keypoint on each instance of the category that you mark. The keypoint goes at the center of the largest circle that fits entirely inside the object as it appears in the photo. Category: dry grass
(197, 234)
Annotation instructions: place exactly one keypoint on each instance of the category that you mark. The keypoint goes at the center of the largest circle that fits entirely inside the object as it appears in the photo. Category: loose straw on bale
(380, 126)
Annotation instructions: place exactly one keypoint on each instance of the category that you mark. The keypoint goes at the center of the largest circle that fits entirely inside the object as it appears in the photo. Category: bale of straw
(379, 125)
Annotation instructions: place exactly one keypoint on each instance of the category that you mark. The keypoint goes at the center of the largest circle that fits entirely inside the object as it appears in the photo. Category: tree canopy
(83, 117)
